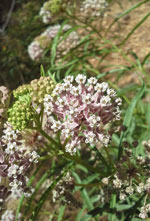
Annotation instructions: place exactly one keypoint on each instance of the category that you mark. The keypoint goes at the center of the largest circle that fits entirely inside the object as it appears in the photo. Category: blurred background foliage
(16, 66)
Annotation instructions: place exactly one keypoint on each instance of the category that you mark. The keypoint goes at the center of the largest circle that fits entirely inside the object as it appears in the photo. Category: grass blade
(125, 13)
(136, 26)
(128, 116)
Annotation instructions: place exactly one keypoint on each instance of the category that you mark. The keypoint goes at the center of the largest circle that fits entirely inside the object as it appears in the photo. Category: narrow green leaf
(145, 58)
(61, 213)
(38, 185)
(55, 43)
(43, 198)
(148, 114)
(125, 13)
(84, 192)
(22, 198)
(135, 27)
(130, 110)
(42, 72)
(128, 116)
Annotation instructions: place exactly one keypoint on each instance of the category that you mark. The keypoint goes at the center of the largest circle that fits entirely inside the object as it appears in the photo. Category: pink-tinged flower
(82, 108)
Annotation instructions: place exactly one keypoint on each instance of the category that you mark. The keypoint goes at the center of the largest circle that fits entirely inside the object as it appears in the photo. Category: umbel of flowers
(19, 143)
(81, 110)
(131, 178)
(37, 48)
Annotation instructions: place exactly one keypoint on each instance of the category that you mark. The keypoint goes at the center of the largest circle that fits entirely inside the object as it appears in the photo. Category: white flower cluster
(127, 188)
(37, 47)
(93, 8)
(82, 110)
(9, 215)
(19, 158)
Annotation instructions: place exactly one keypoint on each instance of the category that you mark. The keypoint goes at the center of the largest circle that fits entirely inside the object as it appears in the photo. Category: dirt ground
(138, 42)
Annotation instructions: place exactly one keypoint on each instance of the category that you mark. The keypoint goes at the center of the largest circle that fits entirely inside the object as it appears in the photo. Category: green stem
(42, 132)
(88, 185)
(109, 157)
(67, 155)
(80, 161)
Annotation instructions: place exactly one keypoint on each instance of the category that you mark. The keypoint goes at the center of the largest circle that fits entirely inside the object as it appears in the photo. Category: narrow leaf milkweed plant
(69, 116)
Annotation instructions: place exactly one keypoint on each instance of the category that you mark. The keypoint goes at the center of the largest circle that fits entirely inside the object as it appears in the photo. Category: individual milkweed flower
(81, 114)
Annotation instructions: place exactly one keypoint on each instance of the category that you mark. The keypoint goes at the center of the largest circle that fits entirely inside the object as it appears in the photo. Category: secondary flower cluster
(81, 111)
(94, 8)
(131, 177)
(88, 8)
(37, 47)
(15, 159)
(49, 9)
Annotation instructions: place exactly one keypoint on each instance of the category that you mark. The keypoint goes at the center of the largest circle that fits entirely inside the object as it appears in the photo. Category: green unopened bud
(20, 114)
(22, 90)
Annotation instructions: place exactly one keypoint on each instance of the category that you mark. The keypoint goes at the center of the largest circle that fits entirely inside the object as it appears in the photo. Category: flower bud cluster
(82, 109)
(132, 176)
(40, 87)
(20, 113)
(37, 47)
(94, 8)
(49, 9)
(15, 159)
(22, 90)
